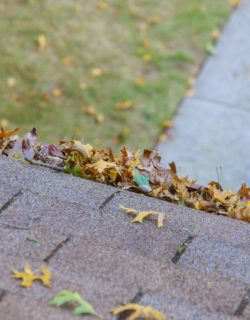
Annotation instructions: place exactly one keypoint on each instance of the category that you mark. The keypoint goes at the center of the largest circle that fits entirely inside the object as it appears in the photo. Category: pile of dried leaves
(128, 170)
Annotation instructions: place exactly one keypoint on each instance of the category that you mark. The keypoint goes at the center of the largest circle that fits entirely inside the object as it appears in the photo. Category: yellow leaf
(90, 110)
(168, 124)
(220, 195)
(67, 60)
(141, 215)
(83, 85)
(96, 72)
(4, 123)
(100, 118)
(234, 3)
(147, 57)
(145, 43)
(11, 82)
(83, 150)
(128, 210)
(56, 92)
(101, 165)
(153, 20)
(215, 34)
(102, 5)
(138, 312)
(124, 105)
(41, 41)
(140, 80)
(28, 276)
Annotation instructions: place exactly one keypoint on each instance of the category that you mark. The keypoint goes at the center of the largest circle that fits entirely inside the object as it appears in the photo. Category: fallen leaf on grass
(4, 123)
(153, 20)
(11, 82)
(140, 80)
(67, 60)
(141, 215)
(147, 57)
(42, 42)
(65, 296)
(96, 72)
(102, 5)
(138, 312)
(56, 92)
(124, 105)
(28, 276)
(90, 110)
(83, 85)
(100, 118)
(215, 34)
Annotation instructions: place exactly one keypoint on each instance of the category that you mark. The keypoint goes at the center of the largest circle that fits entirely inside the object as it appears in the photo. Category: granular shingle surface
(91, 247)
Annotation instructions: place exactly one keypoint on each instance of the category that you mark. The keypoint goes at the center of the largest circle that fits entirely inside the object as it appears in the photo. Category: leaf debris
(141, 215)
(138, 312)
(130, 170)
(65, 296)
(28, 276)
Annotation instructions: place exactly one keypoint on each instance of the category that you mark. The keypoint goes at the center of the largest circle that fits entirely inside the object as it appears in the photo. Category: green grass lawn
(144, 52)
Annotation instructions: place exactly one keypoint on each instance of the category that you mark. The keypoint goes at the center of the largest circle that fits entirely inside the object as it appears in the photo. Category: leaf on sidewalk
(141, 215)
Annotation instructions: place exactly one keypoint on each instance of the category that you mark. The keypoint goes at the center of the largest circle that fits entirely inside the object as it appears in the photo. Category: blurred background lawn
(109, 72)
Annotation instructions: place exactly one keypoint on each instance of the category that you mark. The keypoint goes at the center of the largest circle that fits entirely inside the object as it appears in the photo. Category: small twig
(46, 165)
(13, 226)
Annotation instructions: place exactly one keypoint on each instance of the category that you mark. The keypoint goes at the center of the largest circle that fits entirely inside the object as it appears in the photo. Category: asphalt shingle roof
(91, 247)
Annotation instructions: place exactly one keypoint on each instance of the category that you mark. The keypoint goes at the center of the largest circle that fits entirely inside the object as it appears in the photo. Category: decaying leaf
(138, 312)
(28, 276)
(141, 215)
(65, 296)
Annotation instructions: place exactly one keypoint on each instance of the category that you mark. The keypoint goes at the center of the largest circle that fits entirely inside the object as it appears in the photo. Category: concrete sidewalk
(92, 248)
(211, 134)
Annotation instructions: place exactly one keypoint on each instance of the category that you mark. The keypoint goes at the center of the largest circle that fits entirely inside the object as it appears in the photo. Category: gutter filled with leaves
(131, 170)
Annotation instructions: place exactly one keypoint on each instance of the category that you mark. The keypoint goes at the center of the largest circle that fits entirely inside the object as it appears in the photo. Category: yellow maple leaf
(42, 41)
(141, 215)
(138, 312)
(28, 276)
(234, 3)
